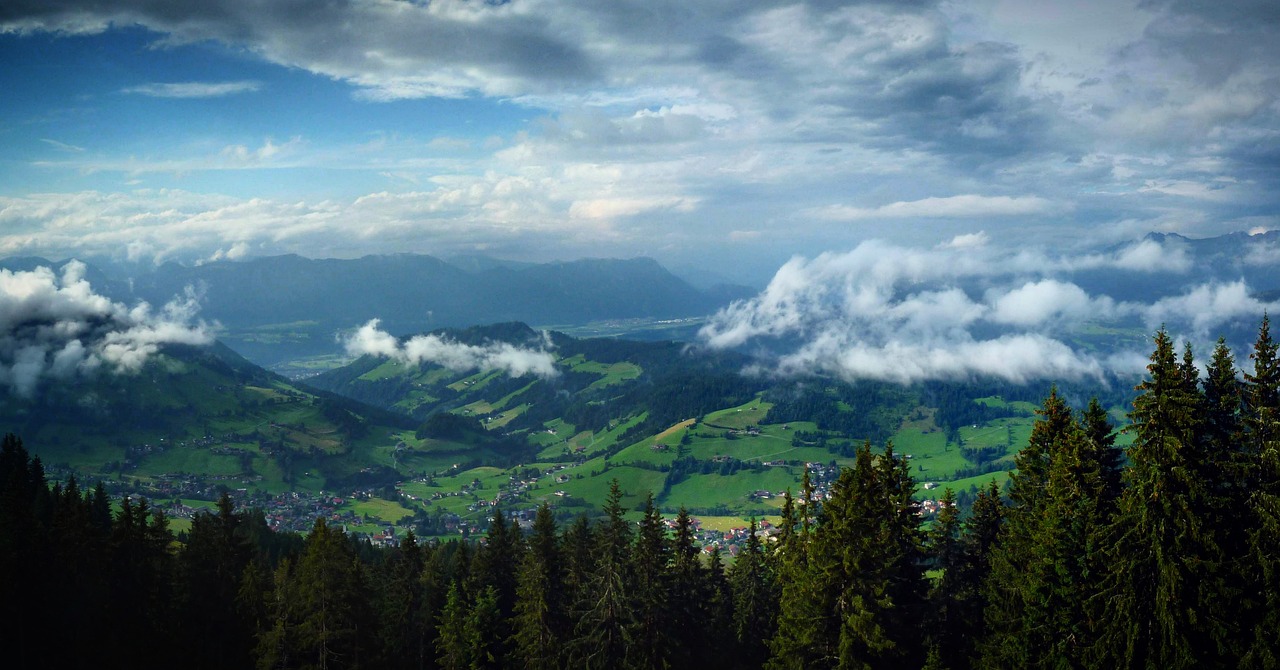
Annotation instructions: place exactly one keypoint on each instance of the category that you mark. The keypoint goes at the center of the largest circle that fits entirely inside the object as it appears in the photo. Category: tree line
(1162, 555)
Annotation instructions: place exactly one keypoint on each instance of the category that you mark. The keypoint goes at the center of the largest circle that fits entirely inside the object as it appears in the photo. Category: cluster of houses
(929, 507)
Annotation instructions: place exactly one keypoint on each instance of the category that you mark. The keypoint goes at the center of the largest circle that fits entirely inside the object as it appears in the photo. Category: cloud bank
(653, 127)
(55, 326)
(456, 356)
(955, 312)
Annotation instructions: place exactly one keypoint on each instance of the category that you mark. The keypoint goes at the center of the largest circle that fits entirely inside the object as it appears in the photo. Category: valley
(382, 446)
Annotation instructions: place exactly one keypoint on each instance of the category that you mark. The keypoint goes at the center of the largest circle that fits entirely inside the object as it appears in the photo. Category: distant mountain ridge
(279, 307)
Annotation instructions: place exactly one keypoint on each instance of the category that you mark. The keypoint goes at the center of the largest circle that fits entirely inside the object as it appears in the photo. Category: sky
(731, 137)
(914, 186)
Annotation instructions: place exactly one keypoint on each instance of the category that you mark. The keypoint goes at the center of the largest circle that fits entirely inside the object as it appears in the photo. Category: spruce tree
(866, 570)
(793, 646)
(1262, 439)
(453, 651)
(946, 621)
(484, 631)
(404, 636)
(604, 625)
(754, 601)
(1159, 603)
(210, 566)
(687, 596)
(1101, 434)
(967, 587)
(335, 622)
(648, 593)
(538, 625)
(1020, 587)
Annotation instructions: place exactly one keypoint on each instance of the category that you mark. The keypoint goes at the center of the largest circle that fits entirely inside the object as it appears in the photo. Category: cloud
(1208, 306)
(1016, 358)
(953, 207)
(969, 240)
(62, 146)
(515, 361)
(55, 326)
(1036, 303)
(1152, 256)
(703, 120)
(893, 313)
(194, 89)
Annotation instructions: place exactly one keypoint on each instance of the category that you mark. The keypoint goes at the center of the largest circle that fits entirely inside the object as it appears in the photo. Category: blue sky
(729, 136)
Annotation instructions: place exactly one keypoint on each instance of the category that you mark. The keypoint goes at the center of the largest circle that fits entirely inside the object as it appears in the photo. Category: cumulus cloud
(899, 314)
(370, 340)
(56, 326)
(1040, 302)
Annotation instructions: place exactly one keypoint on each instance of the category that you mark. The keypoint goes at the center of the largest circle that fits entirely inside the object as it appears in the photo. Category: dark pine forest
(1163, 555)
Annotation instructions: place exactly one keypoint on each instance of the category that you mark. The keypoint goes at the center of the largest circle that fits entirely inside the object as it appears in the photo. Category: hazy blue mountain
(283, 307)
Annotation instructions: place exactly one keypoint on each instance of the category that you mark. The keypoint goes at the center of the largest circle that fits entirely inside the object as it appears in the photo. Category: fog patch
(370, 340)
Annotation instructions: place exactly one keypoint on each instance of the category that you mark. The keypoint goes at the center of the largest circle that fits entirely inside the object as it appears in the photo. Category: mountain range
(278, 308)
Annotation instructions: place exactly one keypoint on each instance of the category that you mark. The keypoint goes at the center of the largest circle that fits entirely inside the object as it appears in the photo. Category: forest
(1163, 555)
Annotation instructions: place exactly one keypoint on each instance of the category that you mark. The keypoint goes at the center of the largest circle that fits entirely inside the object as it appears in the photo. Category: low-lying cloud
(55, 326)
(369, 339)
(892, 313)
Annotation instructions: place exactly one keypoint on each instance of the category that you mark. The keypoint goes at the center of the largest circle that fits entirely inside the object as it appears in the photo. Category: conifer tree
(717, 629)
(688, 594)
(793, 645)
(539, 617)
(277, 641)
(484, 630)
(648, 592)
(1019, 587)
(604, 624)
(866, 569)
(967, 587)
(1262, 439)
(1101, 436)
(453, 651)
(334, 625)
(404, 631)
(578, 559)
(1159, 599)
(211, 565)
(754, 601)
(947, 625)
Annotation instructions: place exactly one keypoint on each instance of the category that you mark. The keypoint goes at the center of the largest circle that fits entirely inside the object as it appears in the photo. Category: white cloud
(456, 356)
(194, 89)
(56, 326)
(953, 207)
(1152, 256)
(1208, 306)
(893, 313)
(747, 113)
(969, 240)
(1036, 303)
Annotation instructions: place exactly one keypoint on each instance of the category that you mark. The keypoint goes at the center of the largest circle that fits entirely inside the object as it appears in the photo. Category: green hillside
(684, 426)
(207, 416)
(441, 448)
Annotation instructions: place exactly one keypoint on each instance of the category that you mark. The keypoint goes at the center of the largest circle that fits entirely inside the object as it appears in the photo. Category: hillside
(686, 426)
(206, 415)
